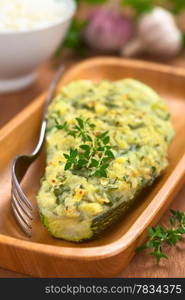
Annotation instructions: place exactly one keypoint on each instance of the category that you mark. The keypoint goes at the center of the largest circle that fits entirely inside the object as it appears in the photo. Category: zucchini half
(74, 203)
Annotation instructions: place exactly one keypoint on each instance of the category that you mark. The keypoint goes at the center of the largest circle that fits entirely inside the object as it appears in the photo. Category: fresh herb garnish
(71, 158)
(60, 126)
(160, 236)
(95, 152)
(82, 129)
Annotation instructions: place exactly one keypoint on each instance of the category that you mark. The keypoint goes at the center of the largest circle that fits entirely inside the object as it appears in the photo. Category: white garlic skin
(158, 34)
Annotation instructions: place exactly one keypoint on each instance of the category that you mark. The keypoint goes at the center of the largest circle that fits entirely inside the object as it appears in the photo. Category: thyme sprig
(95, 152)
(160, 236)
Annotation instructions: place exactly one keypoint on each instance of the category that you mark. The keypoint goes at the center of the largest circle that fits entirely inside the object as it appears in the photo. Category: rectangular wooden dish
(44, 256)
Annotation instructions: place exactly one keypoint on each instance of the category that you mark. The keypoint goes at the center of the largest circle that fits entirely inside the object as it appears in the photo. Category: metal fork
(21, 206)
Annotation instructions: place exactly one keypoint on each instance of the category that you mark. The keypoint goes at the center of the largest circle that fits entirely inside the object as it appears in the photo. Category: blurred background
(130, 28)
(152, 30)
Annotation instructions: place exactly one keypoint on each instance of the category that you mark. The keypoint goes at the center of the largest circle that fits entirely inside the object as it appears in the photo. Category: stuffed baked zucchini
(105, 142)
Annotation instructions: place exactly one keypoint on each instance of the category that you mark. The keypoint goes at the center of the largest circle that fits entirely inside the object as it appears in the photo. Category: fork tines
(21, 207)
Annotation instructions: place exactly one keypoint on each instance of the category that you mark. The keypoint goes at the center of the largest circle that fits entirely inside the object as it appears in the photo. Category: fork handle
(50, 96)
(40, 143)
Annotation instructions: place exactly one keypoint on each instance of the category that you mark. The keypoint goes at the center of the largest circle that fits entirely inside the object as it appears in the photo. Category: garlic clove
(156, 18)
(157, 34)
(166, 42)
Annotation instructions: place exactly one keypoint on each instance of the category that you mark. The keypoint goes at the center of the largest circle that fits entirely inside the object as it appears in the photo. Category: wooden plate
(44, 256)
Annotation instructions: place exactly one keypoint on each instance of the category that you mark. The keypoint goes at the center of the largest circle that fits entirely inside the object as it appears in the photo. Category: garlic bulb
(158, 34)
(107, 30)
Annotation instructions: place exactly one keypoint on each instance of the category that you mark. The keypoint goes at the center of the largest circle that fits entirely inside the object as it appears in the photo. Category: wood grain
(145, 262)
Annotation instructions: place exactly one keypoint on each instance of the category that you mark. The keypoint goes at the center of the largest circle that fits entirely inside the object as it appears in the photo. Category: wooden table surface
(142, 264)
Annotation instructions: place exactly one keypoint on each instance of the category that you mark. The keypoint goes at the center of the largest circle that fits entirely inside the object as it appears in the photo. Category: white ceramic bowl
(21, 53)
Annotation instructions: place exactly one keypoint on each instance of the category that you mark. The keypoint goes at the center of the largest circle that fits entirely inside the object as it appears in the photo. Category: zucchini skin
(106, 220)
(98, 224)
(140, 131)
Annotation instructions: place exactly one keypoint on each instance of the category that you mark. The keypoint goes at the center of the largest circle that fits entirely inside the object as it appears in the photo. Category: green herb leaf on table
(160, 236)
